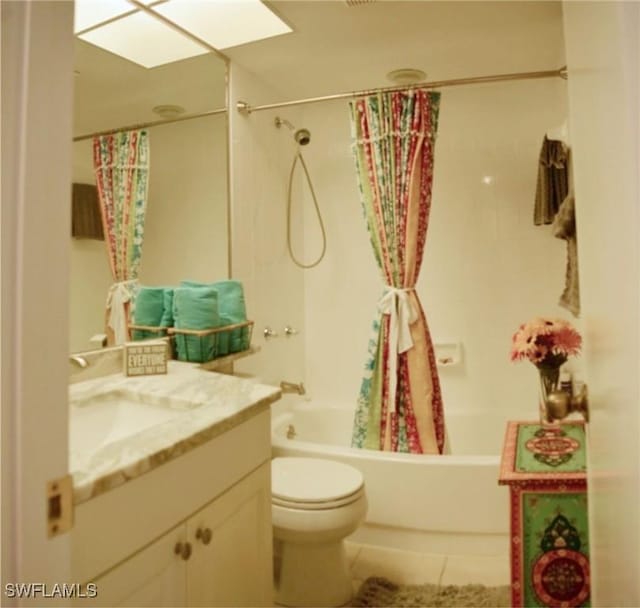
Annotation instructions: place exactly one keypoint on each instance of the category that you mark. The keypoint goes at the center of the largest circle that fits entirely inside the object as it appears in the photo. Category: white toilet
(315, 504)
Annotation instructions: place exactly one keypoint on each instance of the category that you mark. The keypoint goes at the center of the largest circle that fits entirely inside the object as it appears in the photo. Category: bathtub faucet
(292, 387)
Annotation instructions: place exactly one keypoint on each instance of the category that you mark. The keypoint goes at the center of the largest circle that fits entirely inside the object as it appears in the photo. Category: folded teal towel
(231, 306)
(167, 308)
(195, 308)
(233, 310)
(149, 306)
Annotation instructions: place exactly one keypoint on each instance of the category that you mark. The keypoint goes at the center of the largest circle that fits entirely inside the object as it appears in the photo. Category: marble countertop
(209, 404)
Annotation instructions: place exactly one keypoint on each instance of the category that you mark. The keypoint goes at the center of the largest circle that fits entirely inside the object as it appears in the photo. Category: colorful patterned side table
(545, 469)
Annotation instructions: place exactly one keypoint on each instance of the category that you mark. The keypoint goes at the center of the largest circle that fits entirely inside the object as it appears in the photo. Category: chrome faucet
(78, 360)
(292, 387)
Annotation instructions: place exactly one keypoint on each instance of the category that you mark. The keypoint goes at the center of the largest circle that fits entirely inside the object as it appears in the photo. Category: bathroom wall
(186, 226)
(486, 267)
(604, 95)
(261, 156)
(186, 223)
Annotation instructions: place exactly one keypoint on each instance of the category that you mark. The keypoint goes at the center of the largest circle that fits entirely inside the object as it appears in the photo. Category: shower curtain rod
(244, 108)
(155, 123)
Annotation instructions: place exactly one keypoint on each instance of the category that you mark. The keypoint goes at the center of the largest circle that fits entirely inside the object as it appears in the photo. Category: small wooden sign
(145, 358)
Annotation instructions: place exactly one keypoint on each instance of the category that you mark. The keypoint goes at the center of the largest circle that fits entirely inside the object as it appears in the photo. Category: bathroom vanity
(545, 469)
(173, 511)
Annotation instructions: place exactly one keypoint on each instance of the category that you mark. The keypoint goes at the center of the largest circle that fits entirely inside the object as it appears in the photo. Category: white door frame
(37, 107)
(603, 58)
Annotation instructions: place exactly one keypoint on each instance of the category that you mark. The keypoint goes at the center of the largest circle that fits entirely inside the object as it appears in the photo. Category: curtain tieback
(395, 302)
(119, 294)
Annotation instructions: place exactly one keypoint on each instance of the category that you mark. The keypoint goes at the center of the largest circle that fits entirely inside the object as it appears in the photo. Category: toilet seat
(309, 506)
(314, 483)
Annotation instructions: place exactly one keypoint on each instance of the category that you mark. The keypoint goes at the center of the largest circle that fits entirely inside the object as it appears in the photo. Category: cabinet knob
(204, 534)
(183, 550)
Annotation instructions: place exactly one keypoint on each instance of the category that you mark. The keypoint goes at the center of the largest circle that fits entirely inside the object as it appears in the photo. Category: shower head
(283, 121)
(302, 136)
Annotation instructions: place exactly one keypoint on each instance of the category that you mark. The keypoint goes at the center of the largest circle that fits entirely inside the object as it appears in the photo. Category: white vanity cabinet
(230, 564)
(195, 531)
(219, 557)
(155, 576)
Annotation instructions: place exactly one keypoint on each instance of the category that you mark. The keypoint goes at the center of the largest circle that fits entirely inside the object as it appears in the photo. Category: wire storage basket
(203, 345)
(147, 332)
(199, 345)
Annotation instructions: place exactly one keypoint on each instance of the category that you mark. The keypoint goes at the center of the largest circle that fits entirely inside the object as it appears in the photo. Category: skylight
(119, 27)
(143, 40)
(89, 13)
(225, 23)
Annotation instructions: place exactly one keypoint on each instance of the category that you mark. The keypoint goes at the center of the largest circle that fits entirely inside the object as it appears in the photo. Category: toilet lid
(313, 480)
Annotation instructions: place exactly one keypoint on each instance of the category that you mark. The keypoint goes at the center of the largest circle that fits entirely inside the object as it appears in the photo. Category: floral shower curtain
(121, 164)
(400, 405)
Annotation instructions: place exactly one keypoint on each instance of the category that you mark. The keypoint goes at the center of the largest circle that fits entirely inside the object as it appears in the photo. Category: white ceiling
(333, 48)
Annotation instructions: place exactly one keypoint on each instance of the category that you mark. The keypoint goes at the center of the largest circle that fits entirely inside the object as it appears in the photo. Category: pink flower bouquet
(545, 342)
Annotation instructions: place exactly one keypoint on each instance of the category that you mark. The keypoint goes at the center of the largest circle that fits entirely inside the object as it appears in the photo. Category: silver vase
(549, 383)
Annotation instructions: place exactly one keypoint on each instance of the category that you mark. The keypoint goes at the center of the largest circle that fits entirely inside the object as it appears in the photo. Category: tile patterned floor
(411, 568)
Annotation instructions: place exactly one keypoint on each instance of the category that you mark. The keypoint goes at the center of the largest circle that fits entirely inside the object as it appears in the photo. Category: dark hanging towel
(564, 227)
(86, 221)
(553, 181)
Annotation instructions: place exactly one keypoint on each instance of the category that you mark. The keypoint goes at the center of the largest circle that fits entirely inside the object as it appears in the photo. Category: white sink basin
(103, 418)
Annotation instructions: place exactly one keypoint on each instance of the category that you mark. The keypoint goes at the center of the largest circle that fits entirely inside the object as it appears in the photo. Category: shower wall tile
(260, 161)
(486, 267)
(342, 291)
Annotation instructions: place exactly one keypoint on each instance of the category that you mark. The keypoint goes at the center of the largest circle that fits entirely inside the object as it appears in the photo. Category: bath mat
(380, 592)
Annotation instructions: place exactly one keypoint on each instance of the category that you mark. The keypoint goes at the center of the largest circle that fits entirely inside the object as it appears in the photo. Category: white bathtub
(436, 504)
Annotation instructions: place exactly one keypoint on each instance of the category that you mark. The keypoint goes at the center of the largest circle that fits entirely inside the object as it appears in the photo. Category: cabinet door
(231, 563)
(153, 577)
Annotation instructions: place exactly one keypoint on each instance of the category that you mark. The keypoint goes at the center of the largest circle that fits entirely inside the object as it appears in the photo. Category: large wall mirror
(186, 228)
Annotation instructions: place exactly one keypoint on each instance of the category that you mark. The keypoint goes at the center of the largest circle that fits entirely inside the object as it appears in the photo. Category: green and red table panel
(545, 468)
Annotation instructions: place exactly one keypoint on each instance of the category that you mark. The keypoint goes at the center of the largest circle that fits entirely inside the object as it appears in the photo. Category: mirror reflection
(185, 229)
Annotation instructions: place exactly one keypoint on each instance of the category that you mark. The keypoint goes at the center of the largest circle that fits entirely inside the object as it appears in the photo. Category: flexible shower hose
(297, 157)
